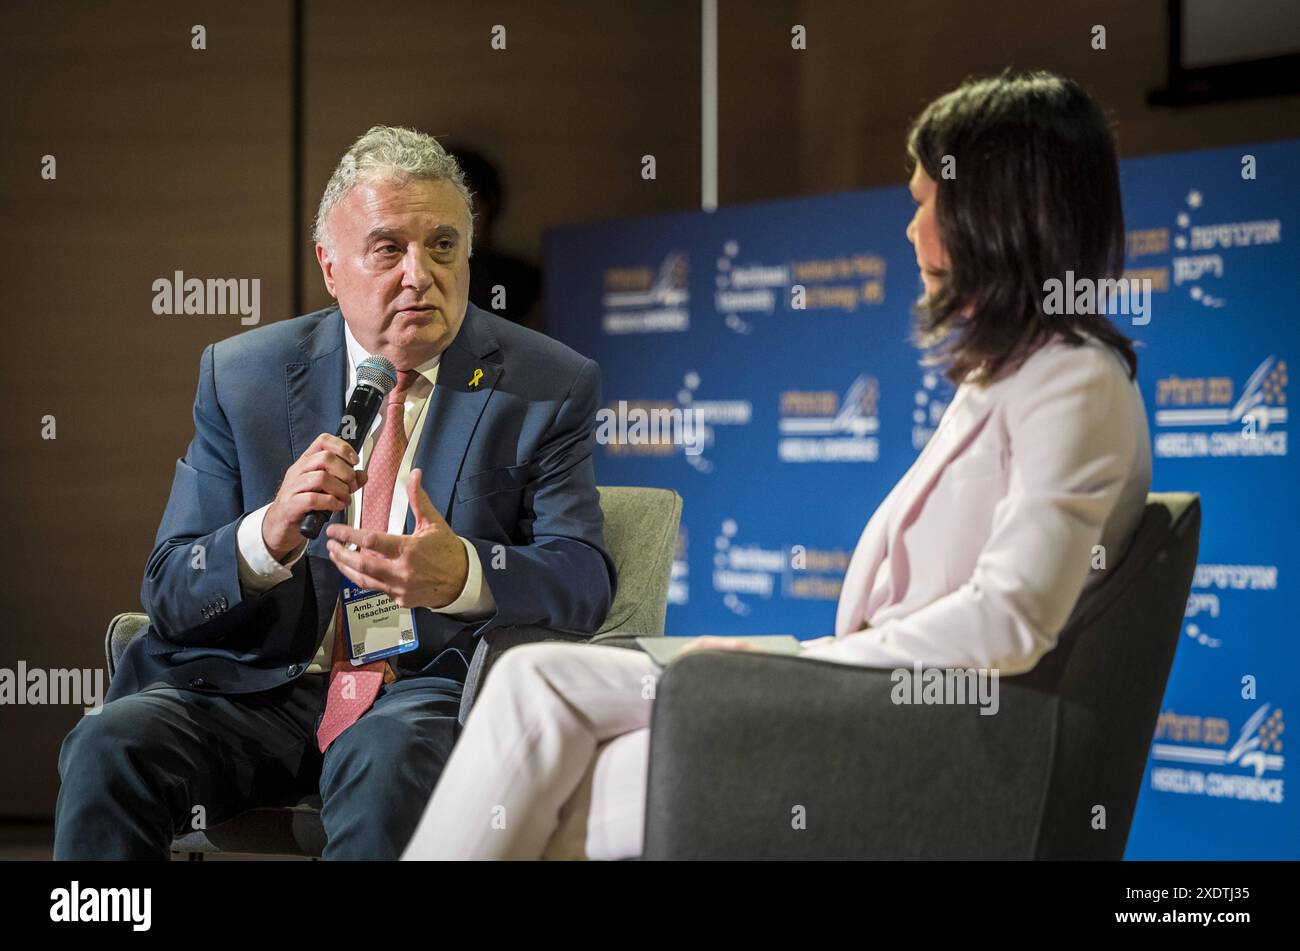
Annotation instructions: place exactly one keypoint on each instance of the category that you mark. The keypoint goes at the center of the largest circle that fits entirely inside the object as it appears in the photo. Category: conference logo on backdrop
(1203, 603)
(822, 426)
(1211, 416)
(1203, 247)
(744, 571)
(641, 299)
(1217, 763)
(686, 425)
(749, 291)
(1201, 251)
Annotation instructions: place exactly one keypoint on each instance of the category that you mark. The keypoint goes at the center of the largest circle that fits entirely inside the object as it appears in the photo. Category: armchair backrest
(641, 537)
(1108, 673)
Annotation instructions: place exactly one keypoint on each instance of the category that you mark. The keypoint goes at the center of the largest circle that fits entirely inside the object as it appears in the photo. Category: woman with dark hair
(1029, 490)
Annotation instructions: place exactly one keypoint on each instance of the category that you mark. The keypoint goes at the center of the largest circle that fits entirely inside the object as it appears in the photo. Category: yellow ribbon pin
(473, 381)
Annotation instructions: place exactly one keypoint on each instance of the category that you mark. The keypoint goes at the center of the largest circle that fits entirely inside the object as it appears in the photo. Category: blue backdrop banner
(757, 359)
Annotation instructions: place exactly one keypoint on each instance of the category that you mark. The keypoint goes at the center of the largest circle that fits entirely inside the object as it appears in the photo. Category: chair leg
(196, 857)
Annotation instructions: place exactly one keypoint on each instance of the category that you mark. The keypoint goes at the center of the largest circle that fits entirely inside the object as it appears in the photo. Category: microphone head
(377, 372)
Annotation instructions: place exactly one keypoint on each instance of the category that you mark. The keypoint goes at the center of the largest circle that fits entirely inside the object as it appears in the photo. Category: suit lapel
(898, 510)
(962, 422)
(467, 376)
(315, 385)
(867, 555)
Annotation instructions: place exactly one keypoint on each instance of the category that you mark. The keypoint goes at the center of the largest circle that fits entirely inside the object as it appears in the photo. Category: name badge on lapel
(375, 626)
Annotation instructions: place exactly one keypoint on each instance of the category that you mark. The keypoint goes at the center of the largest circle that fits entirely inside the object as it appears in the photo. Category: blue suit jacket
(508, 463)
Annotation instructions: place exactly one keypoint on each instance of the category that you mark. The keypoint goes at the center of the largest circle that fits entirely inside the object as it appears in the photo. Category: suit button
(198, 682)
(223, 603)
(294, 670)
(204, 612)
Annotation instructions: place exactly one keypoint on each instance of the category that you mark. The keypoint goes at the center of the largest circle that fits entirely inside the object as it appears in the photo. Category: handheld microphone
(376, 377)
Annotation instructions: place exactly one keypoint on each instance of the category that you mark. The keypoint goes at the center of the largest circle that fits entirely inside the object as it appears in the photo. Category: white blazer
(977, 556)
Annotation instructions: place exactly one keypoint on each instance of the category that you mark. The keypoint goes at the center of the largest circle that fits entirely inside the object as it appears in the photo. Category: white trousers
(552, 761)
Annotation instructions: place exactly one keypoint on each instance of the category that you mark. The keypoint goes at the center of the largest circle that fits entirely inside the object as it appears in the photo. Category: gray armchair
(740, 741)
(640, 536)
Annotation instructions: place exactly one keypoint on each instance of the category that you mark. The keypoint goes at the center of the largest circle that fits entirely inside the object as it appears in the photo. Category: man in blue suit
(241, 691)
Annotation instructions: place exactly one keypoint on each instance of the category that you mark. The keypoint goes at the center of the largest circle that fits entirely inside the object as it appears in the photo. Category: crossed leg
(552, 761)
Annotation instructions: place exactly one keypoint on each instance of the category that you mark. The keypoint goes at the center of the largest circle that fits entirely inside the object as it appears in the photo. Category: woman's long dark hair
(1035, 194)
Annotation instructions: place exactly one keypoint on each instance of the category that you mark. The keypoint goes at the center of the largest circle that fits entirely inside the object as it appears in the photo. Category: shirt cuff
(258, 569)
(475, 601)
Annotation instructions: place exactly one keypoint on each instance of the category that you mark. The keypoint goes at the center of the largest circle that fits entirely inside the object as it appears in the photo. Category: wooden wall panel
(582, 90)
(168, 158)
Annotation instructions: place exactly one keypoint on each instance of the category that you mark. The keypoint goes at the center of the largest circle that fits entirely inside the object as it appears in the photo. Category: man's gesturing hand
(322, 479)
(426, 569)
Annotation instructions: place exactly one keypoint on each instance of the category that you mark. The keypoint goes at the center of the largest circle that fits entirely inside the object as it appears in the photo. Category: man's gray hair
(391, 153)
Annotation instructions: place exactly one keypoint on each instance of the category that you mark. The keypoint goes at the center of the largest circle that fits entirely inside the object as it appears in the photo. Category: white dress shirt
(258, 569)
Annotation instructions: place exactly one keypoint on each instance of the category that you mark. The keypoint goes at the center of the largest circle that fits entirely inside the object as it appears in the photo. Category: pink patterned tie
(352, 690)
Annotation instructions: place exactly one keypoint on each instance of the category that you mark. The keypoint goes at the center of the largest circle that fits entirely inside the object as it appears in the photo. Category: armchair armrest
(764, 756)
(496, 642)
(122, 630)
(620, 639)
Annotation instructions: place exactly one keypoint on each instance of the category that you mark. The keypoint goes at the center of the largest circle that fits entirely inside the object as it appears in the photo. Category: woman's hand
(719, 644)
